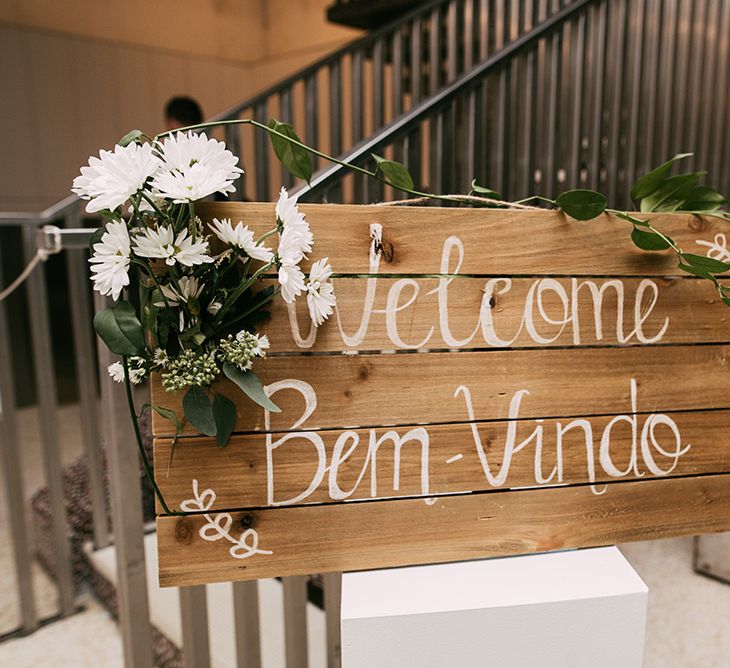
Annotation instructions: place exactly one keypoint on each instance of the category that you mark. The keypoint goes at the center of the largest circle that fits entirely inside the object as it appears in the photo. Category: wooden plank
(420, 313)
(496, 242)
(444, 459)
(375, 534)
(376, 390)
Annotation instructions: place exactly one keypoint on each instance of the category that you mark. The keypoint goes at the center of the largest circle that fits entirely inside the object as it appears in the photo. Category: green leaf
(708, 264)
(671, 195)
(199, 411)
(648, 241)
(96, 236)
(393, 172)
(131, 137)
(703, 198)
(582, 204)
(645, 185)
(249, 382)
(632, 219)
(224, 414)
(295, 158)
(695, 271)
(483, 191)
(119, 328)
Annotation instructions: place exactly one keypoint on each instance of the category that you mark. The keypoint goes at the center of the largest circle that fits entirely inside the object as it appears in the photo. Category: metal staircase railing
(588, 97)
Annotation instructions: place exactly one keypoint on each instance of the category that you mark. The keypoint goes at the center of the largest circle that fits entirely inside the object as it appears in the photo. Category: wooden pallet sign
(493, 383)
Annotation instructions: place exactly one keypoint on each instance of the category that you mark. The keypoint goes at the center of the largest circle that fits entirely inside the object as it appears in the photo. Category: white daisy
(160, 358)
(292, 247)
(116, 371)
(162, 243)
(111, 179)
(214, 307)
(320, 292)
(240, 237)
(290, 218)
(291, 280)
(110, 261)
(194, 167)
(189, 289)
(136, 373)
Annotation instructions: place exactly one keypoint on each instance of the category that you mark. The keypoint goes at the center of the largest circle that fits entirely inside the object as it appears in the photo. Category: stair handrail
(405, 122)
(355, 45)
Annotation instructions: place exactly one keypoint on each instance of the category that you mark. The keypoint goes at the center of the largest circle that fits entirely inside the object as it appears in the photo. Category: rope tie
(41, 255)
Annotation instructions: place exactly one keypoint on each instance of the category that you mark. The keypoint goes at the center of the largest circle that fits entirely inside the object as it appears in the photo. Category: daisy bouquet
(188, 298)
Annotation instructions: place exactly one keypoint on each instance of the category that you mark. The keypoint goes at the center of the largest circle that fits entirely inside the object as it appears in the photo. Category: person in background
(181, 112)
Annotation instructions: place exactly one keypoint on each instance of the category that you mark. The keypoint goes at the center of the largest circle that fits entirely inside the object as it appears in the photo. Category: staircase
(529, 97)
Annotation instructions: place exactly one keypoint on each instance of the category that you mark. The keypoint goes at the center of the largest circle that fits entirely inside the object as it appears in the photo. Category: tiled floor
(688, 624)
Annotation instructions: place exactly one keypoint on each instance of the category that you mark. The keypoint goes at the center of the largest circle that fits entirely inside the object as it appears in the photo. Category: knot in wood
(184, 531)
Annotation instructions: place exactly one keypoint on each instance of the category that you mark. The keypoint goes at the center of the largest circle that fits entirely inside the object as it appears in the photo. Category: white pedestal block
(557, 610)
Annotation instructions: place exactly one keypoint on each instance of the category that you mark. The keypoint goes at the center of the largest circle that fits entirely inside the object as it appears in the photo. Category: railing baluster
(434, 51)
(617, 71)
(484, 16)
(650, 80)
(311, 118)
(126, 512)
(12, 477)
(287, 116)
(720, 129)
(357, 127)
(578, 83)
(246, 624)
(711, 82)
(48, 420)
(667, 75)
(233, 143)
(416, 74)
(695, 99)
(636, 35)
(332, 600)
(295, 621)
(681, 76)
(377, 86)
(261, 144)
(194, 624)
(397, 90)
(599, 82)
(452, 64)
(468, 22)
(79, 286)
(335, 120)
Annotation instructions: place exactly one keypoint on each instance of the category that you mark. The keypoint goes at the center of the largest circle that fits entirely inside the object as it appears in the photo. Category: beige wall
(75, 76)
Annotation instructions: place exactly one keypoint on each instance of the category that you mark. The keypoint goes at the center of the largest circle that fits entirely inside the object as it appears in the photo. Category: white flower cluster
(184, 167)
(295, 241)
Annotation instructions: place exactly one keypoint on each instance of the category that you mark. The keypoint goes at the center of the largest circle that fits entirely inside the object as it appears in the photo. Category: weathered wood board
(492, 383)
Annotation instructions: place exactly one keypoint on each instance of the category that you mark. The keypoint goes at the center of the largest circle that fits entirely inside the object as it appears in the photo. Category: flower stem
(138, 437)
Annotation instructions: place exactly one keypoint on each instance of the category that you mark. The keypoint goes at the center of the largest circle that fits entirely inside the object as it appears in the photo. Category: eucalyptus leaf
(648, 183)
(119, 328)
(648, 241)
(703, 198)
(131, 137)
(295, 158)
(695, 271)
(671, 194)
(249, 382)
(393, 172)
(632, 219)
(199, 410)
(582, 204)
(224, 414)
(483, 191)
(710, 265)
